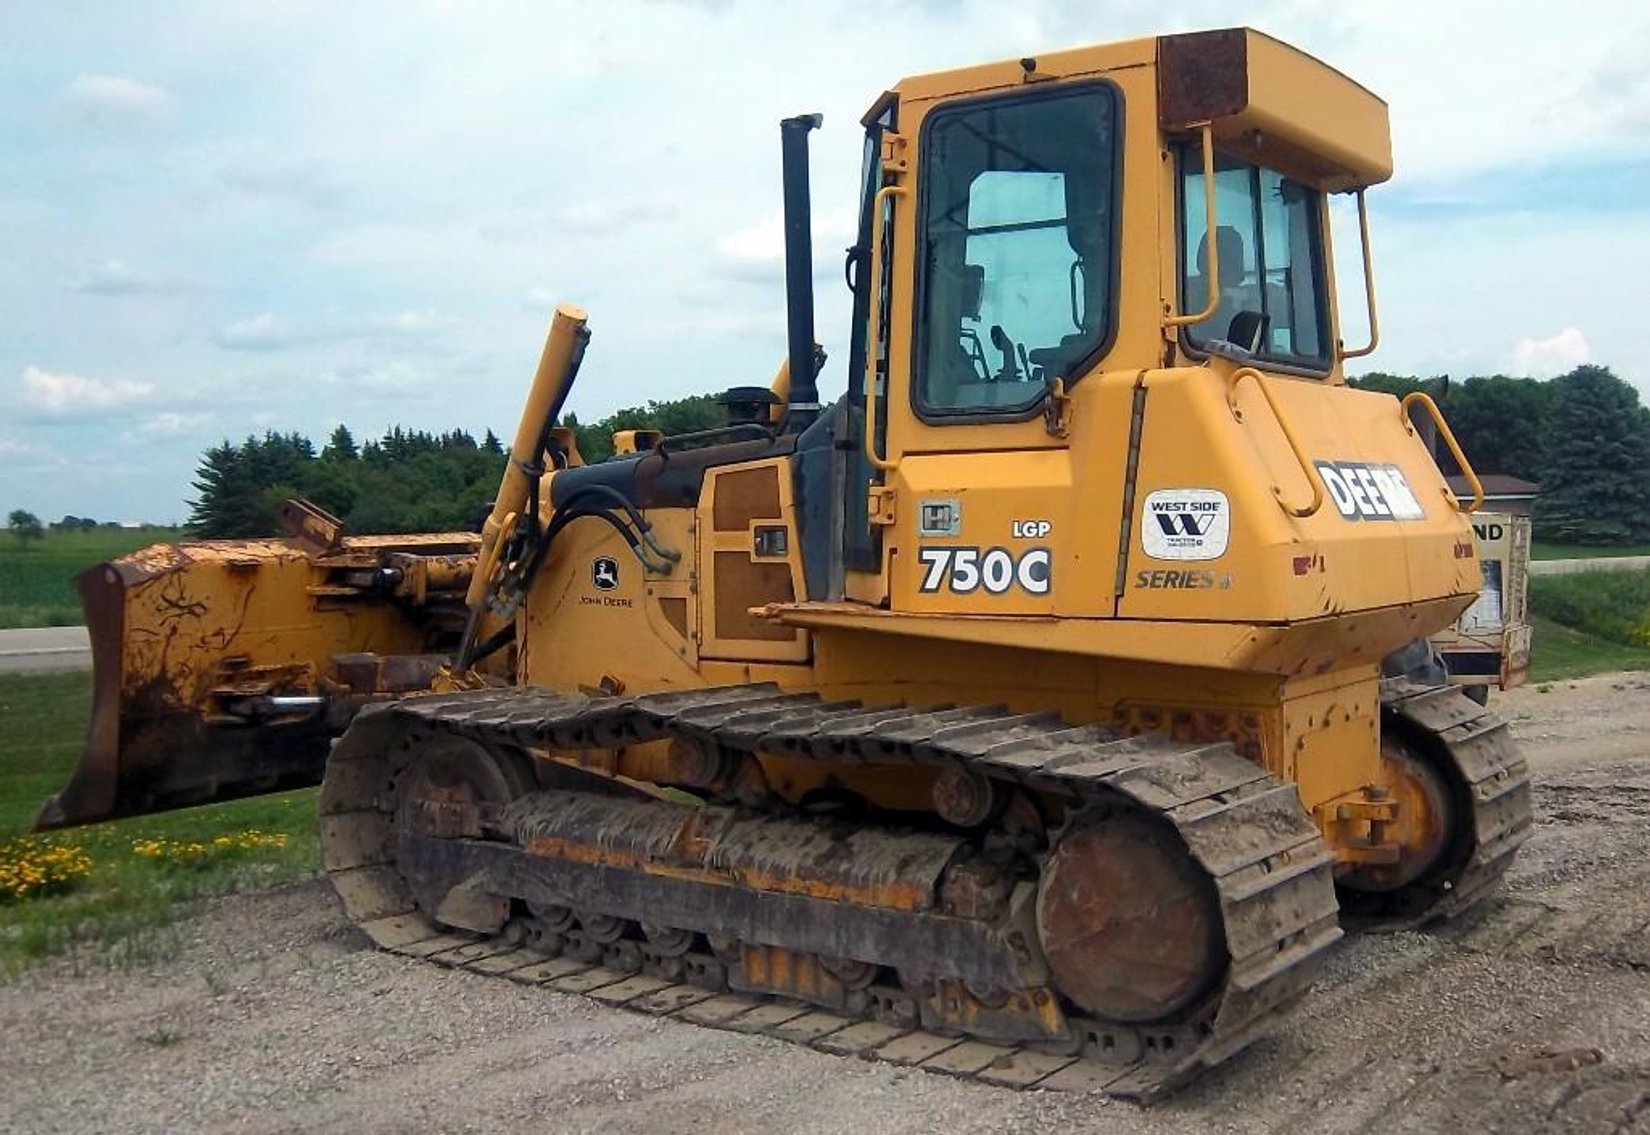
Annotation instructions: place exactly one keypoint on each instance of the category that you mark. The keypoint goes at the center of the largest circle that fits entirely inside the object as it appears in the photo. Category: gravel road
(277, 1017)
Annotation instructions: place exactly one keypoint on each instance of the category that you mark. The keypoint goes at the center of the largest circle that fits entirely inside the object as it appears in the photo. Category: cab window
(1268, 246)
(1017, 263)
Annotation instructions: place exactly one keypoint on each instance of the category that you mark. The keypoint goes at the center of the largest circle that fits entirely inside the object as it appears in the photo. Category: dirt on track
(1533, 1016)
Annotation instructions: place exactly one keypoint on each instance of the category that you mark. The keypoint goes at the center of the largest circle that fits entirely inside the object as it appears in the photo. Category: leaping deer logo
(604, 573)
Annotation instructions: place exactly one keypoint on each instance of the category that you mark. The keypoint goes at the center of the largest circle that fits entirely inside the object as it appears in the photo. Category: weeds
(128, 889)
(1614, 605)
(198, 854)
(160, 1036)
(132, 878)
(32, 867)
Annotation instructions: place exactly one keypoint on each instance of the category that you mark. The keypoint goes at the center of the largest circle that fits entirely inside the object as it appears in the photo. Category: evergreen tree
(1502, 423)
(228, 488)
(1595, 483)
(407, 480)
(341, 446)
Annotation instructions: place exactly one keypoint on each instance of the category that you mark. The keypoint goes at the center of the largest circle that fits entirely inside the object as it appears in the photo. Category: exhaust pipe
(803, 404)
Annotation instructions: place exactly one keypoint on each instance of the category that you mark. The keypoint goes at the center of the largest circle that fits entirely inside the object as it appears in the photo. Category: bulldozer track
(1493, 779)
(1244, 828)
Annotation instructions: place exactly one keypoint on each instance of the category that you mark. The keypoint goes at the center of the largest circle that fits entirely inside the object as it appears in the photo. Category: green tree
(1502, 423)
(1394, 384)
(25, 526)
(228, 487)
(341, 446)
(1595, 482)
(674, 416)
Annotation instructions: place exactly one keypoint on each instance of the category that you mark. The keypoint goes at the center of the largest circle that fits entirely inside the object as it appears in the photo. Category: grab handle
(874, 332)
(1425, 399)
(1232, 382)
(1211, 258)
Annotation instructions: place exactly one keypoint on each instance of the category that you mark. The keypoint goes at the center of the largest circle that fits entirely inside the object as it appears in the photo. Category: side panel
(1214, 537)
(748, 556)
(1490, 643)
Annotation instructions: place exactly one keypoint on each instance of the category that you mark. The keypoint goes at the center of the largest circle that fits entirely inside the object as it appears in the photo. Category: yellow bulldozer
(1039, 711)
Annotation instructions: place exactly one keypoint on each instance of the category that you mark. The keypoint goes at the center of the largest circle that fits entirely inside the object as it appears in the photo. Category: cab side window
(1268, 249)
(1016, 271)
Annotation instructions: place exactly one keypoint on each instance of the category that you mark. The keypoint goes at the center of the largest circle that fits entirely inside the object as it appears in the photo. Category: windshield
(1017, 236)
(1268, 246)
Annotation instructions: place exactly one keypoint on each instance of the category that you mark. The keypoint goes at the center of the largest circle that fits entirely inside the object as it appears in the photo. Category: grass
(1558, 653)
(123, 911)
(1540, 551)
(37, 577)
(1614, 606)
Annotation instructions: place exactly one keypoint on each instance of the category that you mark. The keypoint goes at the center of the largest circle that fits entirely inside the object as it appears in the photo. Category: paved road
(1599, 563)
(44, 648)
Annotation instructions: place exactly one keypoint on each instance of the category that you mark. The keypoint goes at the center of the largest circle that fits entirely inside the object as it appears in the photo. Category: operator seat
(1236, 292)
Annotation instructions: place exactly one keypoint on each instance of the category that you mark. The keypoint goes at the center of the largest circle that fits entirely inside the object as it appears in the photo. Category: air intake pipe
(802, 406)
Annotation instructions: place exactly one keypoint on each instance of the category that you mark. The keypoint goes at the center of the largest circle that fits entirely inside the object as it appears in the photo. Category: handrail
(1211, 242)
(1232, 381)
(1461, 461)
(873, 333)
(1369, 288)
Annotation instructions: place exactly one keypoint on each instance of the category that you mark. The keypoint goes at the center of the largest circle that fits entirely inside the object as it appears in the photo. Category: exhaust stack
(803, 404)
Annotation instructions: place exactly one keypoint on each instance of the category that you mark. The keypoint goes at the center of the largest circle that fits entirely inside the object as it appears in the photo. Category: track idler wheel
(454, 788)
(1426, 827)
(1129, 922)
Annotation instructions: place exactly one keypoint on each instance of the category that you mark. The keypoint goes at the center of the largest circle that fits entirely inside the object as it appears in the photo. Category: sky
(226, 217)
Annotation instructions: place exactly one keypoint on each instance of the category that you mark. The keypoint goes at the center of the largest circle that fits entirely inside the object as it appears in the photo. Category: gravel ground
(277, 1017)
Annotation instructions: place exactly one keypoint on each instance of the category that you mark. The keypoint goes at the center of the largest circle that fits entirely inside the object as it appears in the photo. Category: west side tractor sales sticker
(1186, 524)
(1369, 492)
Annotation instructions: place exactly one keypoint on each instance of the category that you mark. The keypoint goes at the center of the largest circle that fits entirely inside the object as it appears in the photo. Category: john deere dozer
(1041, 710)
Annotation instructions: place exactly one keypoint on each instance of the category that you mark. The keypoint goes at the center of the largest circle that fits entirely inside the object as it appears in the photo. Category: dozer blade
(223, 669)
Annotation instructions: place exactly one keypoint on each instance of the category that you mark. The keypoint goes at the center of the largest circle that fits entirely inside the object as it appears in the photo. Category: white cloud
(265, 331)
(541, 299)
(757, 251)
(295, 179)
(74, 395)
(392, 378)
(614, 216)
(169, 423)
(24, 451)
(115, 277)
(107, 99)
(412, 323)
(1556, 354)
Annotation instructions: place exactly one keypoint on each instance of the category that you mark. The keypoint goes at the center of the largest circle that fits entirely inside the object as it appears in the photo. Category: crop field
(37, 577)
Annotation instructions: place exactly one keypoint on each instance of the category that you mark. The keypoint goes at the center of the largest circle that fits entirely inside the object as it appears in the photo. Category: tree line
(1583, 436)
(404, 481)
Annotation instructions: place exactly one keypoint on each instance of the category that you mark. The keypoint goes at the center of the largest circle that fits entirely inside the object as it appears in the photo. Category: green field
(37, 577)
(123, 911)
